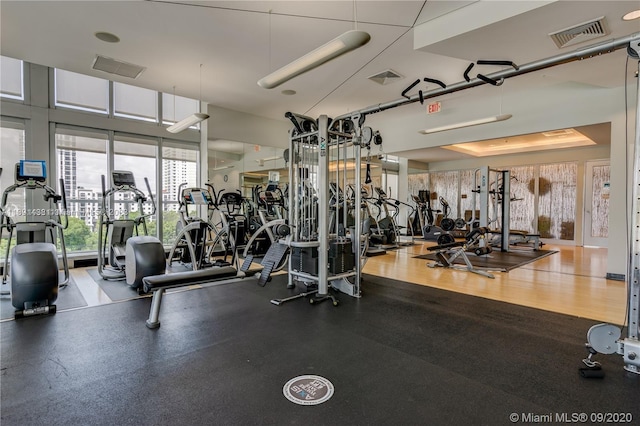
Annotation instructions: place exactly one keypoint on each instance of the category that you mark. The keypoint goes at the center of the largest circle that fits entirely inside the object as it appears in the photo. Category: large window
(11, 78)
(83, 92)
(11, 151)
(135, 102)
(175, 108)
(81, 160)
(179, 165)
(82, 155)
(137, 155)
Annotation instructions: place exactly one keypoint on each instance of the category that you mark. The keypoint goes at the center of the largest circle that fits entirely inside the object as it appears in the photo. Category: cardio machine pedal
(247, 263)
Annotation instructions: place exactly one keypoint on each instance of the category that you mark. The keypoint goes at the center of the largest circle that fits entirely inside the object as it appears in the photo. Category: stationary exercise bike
(35, 279)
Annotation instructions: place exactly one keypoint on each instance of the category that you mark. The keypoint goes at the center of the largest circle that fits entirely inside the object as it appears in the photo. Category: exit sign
(434, 108)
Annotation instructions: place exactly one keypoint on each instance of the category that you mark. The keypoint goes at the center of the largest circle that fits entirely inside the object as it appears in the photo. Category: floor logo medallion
(308, 390)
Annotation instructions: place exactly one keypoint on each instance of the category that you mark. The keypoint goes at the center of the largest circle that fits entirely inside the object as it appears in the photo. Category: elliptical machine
(35, 279)
(194, 243)
(430, 231)
(132, 255)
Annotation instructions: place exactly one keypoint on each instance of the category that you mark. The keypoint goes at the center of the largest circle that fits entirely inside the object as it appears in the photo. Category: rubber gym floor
(401, 355)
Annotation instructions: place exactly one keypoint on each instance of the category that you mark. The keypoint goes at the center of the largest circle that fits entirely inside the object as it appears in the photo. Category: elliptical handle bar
(212, 193)
(180, 197)
(50, 193)
(64, 204)
(104, 186)
(153, 202)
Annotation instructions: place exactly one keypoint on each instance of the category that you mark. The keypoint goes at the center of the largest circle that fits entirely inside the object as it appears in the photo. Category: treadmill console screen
(31, 169)
(122, 178)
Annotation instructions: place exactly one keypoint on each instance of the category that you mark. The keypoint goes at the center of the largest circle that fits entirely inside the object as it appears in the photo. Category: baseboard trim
(615, 277)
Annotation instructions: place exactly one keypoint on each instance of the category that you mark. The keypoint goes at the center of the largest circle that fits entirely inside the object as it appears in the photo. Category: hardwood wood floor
(570, 282)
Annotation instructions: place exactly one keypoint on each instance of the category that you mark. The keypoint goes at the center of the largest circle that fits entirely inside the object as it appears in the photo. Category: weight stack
(341, 257)
(305, 259)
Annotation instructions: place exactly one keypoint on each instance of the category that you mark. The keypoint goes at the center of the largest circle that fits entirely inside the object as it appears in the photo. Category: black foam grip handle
(293, 120)
(367, 178)
(64, 195)
(491, 62)
(466, 72)
(414, 84)
(438, 82)
(490, 80)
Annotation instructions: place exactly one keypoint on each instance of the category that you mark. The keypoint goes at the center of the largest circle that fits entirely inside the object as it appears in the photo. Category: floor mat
(68, 297)
(115, 289)
(497, 260)
(402, 354)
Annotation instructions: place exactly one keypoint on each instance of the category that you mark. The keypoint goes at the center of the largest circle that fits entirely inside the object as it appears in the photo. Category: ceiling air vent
(386, 77)
(112, 66)
(580, 33)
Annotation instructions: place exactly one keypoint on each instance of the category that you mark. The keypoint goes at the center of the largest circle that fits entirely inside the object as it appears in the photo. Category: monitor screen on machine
(123, 178)
(32, 169)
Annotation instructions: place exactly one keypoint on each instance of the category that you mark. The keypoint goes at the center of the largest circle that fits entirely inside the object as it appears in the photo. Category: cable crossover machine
(324, 157)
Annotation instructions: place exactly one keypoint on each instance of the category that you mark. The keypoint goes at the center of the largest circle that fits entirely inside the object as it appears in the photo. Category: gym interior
(411, 212)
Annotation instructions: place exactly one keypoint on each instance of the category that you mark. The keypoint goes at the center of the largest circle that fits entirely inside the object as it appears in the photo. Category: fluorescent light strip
(185, 123)
(466, 124)
(262, 160)
(223, 168)
(338, 46)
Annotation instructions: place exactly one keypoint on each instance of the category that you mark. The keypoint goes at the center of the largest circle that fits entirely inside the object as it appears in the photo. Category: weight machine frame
(310, 158)
(498, 187)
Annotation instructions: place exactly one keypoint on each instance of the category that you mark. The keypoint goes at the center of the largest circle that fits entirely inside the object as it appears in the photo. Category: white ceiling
(239, 42)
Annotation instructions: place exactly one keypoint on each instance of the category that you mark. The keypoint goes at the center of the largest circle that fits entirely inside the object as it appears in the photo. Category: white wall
(237, 126)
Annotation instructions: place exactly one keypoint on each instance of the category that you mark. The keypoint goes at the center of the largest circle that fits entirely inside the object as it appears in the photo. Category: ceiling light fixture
(261, 161)
(338, 46)
(185, 123)
(556, 139)
(485, 120)
(191, 120)
(223, 167)
(635, 14)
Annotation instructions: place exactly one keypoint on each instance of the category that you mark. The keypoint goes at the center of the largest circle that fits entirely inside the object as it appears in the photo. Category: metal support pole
(483, 188)
(293, 190)
(506, 209)
(633, 273)
(323, 205)
(356, 242)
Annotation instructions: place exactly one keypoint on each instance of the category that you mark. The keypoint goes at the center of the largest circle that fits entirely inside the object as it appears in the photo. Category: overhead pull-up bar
(564, 58)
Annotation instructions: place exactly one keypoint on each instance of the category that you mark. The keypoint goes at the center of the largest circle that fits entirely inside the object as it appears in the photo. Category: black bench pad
(178, 279)
(446, 246)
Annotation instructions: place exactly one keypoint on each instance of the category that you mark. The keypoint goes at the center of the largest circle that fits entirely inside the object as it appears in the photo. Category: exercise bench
(158, 284)
(447, 253)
